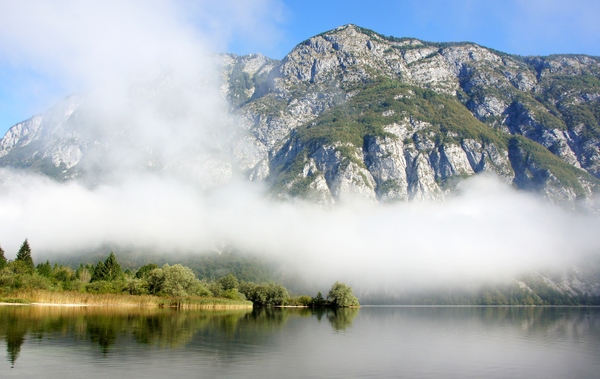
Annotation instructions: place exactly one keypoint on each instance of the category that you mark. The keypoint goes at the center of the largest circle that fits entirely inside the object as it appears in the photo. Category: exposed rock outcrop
(353, 113)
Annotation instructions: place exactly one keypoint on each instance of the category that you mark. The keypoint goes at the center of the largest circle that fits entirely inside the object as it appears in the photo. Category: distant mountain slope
(353, 113)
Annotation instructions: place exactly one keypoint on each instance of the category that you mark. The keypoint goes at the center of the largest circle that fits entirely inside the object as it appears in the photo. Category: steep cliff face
(398, 119)
(351, 113)
(52, 143)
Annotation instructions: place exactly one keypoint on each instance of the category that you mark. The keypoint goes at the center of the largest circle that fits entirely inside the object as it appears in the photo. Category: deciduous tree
(341, 295)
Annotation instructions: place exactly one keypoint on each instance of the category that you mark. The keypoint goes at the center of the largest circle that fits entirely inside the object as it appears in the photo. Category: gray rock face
(460, 109)
(384, 158)
(20, 135)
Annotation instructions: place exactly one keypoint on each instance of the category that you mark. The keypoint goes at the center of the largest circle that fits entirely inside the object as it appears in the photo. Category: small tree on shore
(341, 295)
(24, 255)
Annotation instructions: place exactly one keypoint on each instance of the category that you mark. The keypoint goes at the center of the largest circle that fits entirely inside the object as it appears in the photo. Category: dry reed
(82, 298)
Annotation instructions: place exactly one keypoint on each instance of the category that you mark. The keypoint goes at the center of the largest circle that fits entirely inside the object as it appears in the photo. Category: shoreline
(56, 304)
(126, 305)
(46, 298)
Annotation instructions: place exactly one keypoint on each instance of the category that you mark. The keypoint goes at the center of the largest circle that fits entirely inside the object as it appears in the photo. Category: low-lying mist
(487, 230)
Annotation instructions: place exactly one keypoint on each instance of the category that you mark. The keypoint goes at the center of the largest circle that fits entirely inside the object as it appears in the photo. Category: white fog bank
(488, 230)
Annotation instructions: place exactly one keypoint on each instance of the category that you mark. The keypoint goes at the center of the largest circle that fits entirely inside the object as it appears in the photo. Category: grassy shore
(80, 298)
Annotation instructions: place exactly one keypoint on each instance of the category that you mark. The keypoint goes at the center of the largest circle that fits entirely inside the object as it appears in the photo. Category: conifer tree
(99, 272)
(24, 254)
(44, 269)
(2, 259)
(112, 267)
(108, 270)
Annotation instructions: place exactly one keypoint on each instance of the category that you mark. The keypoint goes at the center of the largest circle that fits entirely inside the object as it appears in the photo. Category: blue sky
(33, 77)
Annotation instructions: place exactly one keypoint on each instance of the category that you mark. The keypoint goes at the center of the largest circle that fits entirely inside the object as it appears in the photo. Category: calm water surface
(371, 342)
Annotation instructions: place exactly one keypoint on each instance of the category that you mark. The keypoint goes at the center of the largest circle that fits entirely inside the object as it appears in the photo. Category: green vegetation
(24, 255)
(540, 112)
(341, 296)
(177, 286)
(268, 294)
(562, 96)
(3, 261)
(387, 101)
(207, 266)
(521, 148)
(349, 126)
(288, 177)
(109, 270)
(167, 286)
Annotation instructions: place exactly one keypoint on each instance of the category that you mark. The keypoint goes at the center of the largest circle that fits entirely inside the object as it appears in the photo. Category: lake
(370, 342)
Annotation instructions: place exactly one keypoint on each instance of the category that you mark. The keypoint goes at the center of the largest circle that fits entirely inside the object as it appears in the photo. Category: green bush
(233, 294)
(300, 301)
(137, 287)
(270, 294)
(104, 286)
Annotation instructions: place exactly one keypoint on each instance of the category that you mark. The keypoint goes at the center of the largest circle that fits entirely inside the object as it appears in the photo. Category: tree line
(108, 277)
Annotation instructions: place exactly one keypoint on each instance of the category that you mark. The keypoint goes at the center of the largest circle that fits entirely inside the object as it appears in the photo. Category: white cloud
(62, 47)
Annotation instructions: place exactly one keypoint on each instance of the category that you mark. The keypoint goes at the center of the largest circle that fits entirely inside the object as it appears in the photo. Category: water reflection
(223, 339)
(162, 328)
(104, 325)
(341, 319)
(15, 336)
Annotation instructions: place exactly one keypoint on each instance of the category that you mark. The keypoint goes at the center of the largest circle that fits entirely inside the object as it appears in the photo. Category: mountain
(351, 112)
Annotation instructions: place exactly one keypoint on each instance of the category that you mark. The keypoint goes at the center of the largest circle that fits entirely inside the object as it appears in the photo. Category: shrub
(233, 294)
(137, 287)
(300, 301)
(267, 294)
(104, 286)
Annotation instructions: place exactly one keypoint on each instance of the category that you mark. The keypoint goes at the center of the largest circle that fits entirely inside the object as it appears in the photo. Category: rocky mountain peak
(350, 112)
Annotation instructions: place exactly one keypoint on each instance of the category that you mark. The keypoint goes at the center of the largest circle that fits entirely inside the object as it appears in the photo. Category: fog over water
(149, 72)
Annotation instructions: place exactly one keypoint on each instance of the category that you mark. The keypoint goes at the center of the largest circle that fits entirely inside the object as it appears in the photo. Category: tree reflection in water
(15, 336)
(239, 331)
(163, 328)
